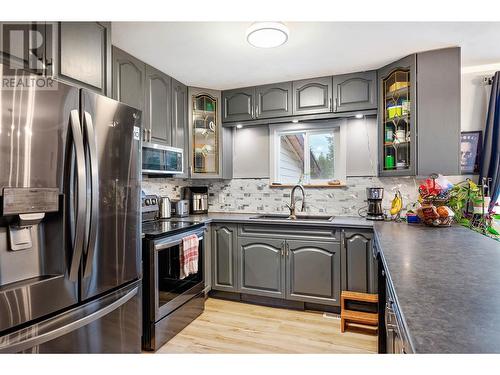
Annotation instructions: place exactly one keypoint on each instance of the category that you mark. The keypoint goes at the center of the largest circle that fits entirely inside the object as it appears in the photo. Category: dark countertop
(446, 280)
(447, 286)
(338, 221)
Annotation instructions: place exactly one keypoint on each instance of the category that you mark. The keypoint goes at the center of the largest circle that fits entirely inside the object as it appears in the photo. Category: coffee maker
(374, 197)
(198, 199)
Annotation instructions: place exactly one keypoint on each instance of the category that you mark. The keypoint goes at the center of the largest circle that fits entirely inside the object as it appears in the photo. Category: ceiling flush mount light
(267, 34)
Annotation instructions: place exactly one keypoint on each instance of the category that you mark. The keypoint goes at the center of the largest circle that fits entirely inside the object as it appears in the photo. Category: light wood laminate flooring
(234, 327)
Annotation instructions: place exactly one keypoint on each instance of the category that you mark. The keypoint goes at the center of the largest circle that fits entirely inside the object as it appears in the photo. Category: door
(84, 54)
(158, 119)
(274, 100)
(261, 265)
(112, 253)
(313, 271)
(180, 137)
(359, 265)
(238, 104)
(355, 92)
(397, 117)
(35, 280)
(311, 96)
(224, 262)
(129, 76)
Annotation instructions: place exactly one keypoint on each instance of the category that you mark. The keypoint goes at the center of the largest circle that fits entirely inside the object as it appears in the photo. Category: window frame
(277, 130)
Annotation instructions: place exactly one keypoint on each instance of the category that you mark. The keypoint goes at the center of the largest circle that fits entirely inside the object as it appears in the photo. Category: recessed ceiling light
(239, 126)
(267, 34)
(359, 115)
(295, 121)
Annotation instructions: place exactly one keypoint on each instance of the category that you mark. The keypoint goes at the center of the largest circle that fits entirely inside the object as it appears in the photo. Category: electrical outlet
(222, 198)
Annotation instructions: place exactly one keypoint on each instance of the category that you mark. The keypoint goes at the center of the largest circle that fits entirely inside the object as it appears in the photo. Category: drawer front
(289, 232)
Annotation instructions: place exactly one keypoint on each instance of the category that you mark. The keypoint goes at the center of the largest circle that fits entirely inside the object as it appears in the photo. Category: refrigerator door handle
(81, 188)
(32, 341)
(94, 202)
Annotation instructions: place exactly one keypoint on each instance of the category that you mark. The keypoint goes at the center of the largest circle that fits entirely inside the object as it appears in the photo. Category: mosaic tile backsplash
(255, 195)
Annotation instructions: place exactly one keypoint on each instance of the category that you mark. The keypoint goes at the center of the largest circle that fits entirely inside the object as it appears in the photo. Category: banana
(397, 203)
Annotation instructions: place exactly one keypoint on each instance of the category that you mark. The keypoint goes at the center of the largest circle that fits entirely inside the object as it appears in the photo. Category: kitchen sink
(299, 217)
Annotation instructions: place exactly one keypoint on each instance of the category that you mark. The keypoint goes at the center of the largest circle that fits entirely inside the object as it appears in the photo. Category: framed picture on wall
(470, 151)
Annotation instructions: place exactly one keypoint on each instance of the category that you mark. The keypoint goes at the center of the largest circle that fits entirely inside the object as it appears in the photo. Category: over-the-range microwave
(159, 159)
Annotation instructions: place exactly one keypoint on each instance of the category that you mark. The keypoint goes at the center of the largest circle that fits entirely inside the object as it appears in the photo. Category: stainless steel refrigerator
(70, 264)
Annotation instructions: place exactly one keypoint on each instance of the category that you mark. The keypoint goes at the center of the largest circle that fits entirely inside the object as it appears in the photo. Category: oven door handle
(166, 244)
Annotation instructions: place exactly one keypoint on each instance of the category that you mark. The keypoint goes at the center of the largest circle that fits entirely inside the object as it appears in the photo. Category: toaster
(180, 208)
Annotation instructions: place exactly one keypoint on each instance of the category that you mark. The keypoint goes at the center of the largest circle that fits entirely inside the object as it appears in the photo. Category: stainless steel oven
(170, 303)
(158, 159)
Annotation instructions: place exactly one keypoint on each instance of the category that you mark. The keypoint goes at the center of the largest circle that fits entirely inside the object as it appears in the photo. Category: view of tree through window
(298, 166)
(321, 146)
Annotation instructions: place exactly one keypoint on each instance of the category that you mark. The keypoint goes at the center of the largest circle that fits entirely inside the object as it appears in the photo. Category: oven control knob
(147, 201)
(153, 201)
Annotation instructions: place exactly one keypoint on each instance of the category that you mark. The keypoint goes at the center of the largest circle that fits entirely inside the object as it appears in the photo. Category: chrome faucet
(291, 206)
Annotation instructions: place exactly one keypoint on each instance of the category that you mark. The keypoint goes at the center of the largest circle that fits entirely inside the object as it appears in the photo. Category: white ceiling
(216, 54)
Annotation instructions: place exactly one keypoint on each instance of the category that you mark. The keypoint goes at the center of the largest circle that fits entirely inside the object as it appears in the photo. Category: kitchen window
(308, 154)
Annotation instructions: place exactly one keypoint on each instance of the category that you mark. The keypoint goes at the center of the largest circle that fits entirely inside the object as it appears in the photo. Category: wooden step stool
(359, 317)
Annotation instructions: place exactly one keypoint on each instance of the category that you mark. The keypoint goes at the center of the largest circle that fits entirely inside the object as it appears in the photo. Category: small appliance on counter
(374, 196)
(198, 199)
(180, 208)
(165, 208)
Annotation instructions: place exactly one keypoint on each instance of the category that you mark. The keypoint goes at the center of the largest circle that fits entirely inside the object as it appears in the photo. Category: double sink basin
(305, 218)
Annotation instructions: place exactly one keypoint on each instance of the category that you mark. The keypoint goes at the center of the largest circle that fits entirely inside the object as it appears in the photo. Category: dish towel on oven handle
(188, 256)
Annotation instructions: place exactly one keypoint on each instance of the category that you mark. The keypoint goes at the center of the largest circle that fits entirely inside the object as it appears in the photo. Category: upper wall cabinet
(438, 111)
(274, 100)
(397, 120)
(76, 52)
(26, 46)
(311, 96)
(355, 92)
(129, 75)
(84, 54)
(238, 105)
(180, 119)
(158, 109)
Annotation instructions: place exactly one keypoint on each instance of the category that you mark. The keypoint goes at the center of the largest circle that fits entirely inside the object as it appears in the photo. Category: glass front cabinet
(397, 126)
(205, 134)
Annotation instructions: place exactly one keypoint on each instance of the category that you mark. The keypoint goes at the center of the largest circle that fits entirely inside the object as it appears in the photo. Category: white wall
(475, 96)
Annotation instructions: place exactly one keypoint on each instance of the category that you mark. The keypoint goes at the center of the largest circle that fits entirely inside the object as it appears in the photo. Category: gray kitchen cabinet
(83, 51)
(438, 111)
(180, 137)
(273, 100)
(397, 85)
(355, 91)
(312, 96)
(129, 76)
(26, 46)
(261, 264)
(207, 258)
(238, 104)
(224, 258)
(313, 271)
(359, 263)
(158, 116)
(210, 146)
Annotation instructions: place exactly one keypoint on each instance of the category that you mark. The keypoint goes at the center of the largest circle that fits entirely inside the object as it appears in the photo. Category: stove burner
(162, 227)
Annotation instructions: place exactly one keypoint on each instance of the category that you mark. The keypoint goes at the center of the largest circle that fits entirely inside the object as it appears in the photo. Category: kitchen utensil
(165, 208)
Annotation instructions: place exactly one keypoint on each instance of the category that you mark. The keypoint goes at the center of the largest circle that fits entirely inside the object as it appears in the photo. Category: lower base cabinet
(261, 264)
(295, 264)
(313, 271)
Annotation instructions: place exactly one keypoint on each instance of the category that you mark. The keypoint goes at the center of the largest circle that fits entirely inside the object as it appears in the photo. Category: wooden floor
(234, 327)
